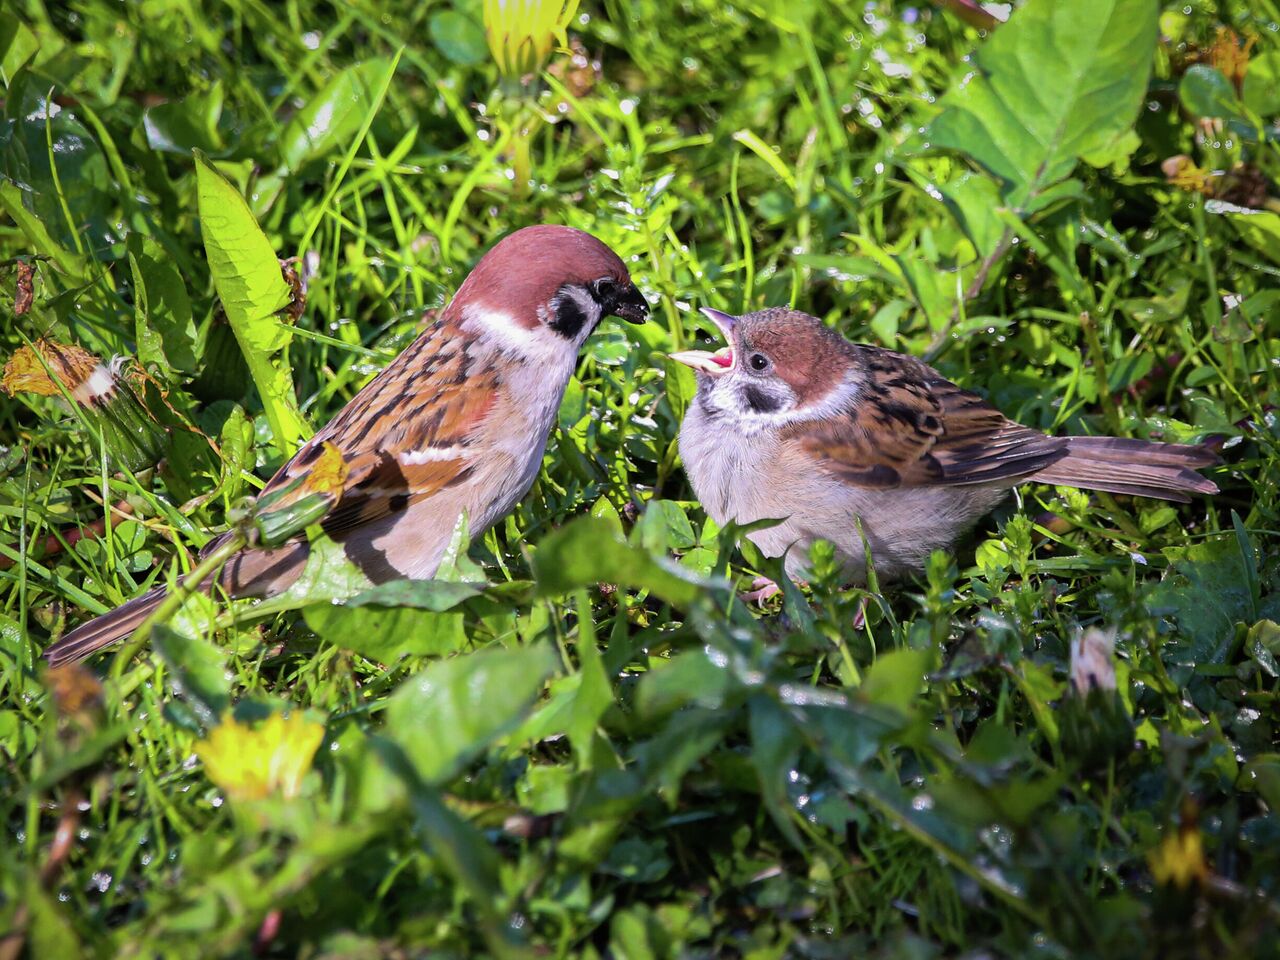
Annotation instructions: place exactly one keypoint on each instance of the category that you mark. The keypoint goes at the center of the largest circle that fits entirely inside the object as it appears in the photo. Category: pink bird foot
(762, 589)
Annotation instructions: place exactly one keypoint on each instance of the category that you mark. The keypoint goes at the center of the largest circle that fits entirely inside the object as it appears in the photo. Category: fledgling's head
(548, 284)
(780, 365)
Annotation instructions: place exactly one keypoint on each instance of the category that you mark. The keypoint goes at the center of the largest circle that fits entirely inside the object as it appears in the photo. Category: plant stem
(942, 340)
(176, 598)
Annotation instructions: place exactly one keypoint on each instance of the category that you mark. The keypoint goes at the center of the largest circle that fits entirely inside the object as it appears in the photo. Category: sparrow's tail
(1142, 468)
(251, 573)
(88, 638)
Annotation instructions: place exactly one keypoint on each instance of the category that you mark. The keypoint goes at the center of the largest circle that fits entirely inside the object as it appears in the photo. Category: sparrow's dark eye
(758, 362)
(605, 291)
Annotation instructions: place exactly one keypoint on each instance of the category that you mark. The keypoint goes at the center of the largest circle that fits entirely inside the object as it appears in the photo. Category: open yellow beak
(713, 364)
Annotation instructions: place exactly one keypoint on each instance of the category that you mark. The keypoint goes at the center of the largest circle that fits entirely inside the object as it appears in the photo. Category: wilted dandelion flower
(522, 33)
(1091, 661)
(252, 763)
(1095, 723)
(133, 436)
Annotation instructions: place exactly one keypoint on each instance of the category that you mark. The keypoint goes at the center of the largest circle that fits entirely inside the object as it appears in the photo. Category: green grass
(644, 768)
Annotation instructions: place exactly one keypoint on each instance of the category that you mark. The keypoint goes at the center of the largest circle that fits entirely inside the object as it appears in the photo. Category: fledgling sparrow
(457, 422)
(793, 422)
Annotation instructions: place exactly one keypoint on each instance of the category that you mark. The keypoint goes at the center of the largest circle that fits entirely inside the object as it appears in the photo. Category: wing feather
(909, 426)
(406, 435)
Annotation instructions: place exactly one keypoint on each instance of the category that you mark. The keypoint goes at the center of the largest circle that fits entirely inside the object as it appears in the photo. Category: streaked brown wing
(405, 435)
(911, 427)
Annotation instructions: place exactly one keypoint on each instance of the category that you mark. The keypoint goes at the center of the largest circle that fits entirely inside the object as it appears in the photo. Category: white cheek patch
(748, 421)
(501, 331)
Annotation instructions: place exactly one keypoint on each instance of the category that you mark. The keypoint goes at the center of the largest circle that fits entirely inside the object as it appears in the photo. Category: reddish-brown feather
(459, 396)
(911, 427)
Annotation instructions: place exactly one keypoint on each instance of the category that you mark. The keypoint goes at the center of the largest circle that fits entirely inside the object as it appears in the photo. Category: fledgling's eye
(758, 362)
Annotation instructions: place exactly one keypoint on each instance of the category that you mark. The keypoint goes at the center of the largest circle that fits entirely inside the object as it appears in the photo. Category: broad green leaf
(1205, 92)
(588, 551)
(1207, 593)
(1261, 92)
(896, 678)
(972, 200)
(685, 739)
(246, 275)
(17, 46)
(1118, 153)
(594, 694)
(198, 671)
(458, 37)
(434, 595)
(50, 930)
(166, 331)
(664, 526)
(327, 575)
(386, 634)
(37, 234)
(775, 750)
(449, 713)
(692, 677)
(235, 442)
(334, 115)
(191, 123)
(1261, 230)
(1056, 82)
(59, 170)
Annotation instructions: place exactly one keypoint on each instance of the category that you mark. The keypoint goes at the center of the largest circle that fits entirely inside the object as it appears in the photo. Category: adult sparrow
(793, 422)
(457, 422)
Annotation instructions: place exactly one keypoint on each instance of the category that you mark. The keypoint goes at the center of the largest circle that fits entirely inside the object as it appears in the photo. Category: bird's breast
(726, 467)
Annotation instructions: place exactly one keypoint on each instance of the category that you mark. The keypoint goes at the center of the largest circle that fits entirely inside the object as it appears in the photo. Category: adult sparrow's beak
(713, 364)
(631, 305)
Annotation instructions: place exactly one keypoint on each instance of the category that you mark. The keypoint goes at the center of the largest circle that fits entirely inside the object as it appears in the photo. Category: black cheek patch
(759, 401)
(569, 318)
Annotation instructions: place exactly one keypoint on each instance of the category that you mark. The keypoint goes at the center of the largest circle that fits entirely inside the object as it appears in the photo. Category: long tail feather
(1142, 468)
(88, 638)
(253, 573)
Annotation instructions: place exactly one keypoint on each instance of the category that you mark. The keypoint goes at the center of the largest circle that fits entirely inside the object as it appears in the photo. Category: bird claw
(762, 589)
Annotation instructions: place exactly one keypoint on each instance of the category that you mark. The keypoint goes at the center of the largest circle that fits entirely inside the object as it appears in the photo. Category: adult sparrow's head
(779, 365)
(549, 286)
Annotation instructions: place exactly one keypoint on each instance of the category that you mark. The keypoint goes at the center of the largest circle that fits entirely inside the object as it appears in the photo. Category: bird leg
(860, 616)
(762, 589)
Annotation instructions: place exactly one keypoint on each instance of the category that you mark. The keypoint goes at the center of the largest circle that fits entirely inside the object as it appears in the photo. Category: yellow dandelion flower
(522, 33)
(252, 763)
(1179, 859)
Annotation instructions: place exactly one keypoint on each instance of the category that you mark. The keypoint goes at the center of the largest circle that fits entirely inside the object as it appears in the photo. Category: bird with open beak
(793, 422)
(456, 423)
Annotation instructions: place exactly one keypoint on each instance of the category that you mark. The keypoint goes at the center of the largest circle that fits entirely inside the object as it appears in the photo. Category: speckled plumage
(457, 423)
(829, 434)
